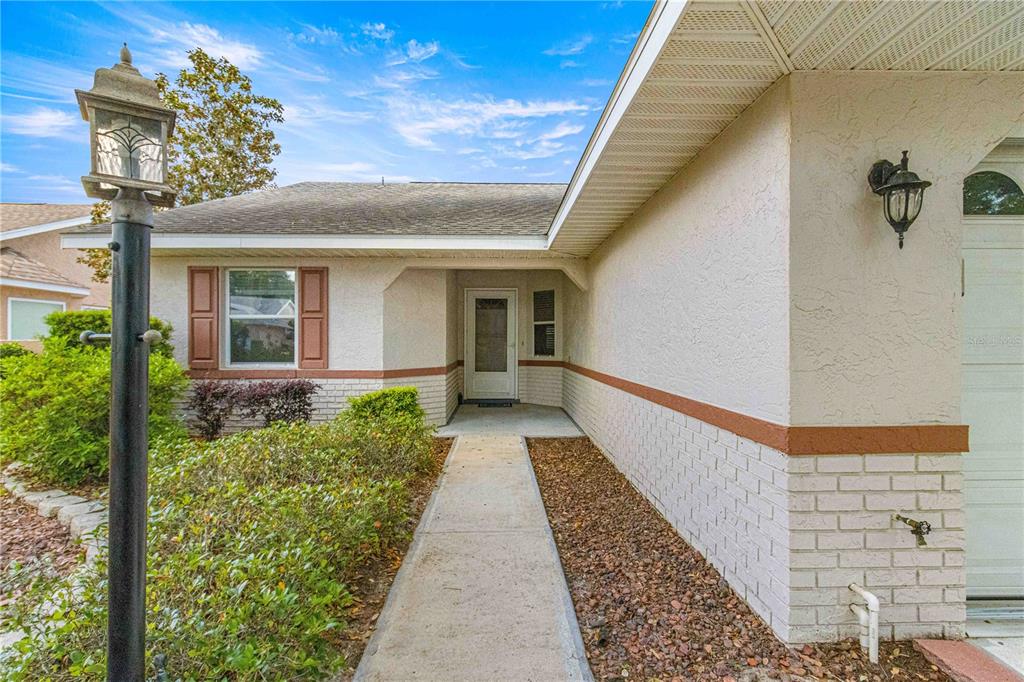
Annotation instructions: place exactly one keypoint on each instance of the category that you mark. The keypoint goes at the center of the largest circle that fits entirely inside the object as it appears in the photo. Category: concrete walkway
(532, 421)
(481, 594)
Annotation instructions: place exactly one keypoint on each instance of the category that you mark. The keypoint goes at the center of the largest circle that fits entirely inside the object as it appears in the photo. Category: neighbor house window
(26, 317)
(544, 322)
(261, 317)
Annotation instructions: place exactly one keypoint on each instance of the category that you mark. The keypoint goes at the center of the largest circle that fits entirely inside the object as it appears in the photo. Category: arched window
(992, 193)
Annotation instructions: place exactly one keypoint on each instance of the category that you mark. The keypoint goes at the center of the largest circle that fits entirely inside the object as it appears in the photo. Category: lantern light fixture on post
(128, 131)
(902, 193)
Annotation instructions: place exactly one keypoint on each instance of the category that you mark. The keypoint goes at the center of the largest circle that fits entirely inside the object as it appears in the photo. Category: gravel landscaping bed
(651, 608)
(35, 543)
(370, 587)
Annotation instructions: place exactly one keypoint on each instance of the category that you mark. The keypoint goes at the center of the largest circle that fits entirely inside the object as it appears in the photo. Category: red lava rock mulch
(34, 542)
(651, 608)
(370, 586)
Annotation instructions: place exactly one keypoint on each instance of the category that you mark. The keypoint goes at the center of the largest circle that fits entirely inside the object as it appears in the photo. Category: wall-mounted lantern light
(902, 193)
(128, 130)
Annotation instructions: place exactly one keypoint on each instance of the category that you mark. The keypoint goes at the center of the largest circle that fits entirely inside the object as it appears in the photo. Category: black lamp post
(902, 193)
(128, 131)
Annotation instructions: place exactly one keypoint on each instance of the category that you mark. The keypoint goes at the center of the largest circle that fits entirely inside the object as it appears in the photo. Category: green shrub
(251, 542)
(387, 431)
(387, 402)
(55, 409)
(70, 324)
(10, 350)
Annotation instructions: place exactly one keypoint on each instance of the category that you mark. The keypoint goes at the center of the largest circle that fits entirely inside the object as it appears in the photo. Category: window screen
(544, 322)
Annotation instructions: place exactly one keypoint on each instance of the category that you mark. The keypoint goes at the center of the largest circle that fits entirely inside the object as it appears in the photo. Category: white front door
(992, 402)
(490, 371)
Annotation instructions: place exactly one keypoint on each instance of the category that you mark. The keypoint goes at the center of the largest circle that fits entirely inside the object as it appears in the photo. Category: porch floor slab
(481, 594)
(534, 421)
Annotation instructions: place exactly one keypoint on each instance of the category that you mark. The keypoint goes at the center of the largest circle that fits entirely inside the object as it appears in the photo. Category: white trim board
(30, 230)
(43, 286)
(170, 240)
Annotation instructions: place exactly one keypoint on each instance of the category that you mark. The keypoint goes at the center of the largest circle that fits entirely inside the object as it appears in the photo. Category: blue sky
(505, 91)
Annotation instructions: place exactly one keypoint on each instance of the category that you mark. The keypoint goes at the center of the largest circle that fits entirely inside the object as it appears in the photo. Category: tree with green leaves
(223, 142)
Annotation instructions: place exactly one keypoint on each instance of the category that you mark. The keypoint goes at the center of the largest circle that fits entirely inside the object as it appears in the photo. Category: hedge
(252, 541)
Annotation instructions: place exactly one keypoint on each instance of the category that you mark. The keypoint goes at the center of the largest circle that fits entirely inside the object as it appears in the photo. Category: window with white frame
(261, 317)
(26, 317)
(544, 322)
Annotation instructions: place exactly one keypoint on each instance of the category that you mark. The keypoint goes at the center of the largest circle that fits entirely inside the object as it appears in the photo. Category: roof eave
(660, 22)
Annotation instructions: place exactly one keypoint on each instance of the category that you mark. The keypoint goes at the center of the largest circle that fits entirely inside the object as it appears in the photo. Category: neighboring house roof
(18, 270)
(350, 208)
(697, 65)
(22, 220)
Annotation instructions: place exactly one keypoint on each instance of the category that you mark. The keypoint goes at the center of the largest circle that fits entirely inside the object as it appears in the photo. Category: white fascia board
(307, 241)
(43, 286)
(660, 24)
(45, 227)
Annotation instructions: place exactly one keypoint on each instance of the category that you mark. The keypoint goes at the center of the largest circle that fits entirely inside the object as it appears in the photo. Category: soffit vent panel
(721, 56)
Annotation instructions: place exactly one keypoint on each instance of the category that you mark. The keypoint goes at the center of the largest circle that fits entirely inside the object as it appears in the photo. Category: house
(37, 277)
(716, 298)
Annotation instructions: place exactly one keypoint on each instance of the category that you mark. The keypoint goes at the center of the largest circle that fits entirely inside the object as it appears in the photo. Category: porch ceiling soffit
(698, 65)
(573, 268)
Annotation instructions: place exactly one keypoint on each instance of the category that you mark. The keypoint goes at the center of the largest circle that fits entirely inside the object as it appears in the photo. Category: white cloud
(569, 64)
(399, 78)
(569, 47)
(378, 31)
(595, 82)
(419, 120)
(626, 38)
(418, 51)
(9, 168)
(43, 122)
(56, 184)
(317, 35)
(563, 129)
(184, 36)
(415, 51)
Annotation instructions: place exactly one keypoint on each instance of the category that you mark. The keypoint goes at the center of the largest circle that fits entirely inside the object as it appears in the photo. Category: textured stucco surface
(415, 320)
(875, 330)
(690, 296)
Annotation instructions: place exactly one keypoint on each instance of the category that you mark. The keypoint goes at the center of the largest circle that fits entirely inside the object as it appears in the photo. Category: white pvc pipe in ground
(868, 619)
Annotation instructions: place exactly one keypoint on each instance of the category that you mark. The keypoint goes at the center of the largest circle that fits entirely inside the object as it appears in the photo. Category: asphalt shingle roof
(330, 208)
(14, 265)
(13, 216)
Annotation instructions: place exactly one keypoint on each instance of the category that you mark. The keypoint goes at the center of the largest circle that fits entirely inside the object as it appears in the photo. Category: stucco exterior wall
(875, 330)
(415, 320)
(45, 248)
(690, 296)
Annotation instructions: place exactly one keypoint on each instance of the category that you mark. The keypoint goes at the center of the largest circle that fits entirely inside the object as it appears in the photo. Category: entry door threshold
(493, 402)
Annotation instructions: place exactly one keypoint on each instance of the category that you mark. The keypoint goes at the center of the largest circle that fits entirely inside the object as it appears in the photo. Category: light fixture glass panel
(129, 146)
(914, 198)
(897, 205)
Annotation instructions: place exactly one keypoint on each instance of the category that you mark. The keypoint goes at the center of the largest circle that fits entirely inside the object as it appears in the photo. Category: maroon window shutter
(313, 318)
(203, 318)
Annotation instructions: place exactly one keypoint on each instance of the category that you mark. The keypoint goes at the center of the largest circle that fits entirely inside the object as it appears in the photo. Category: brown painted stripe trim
(541, 363)
(801, 440)
(319, 373)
